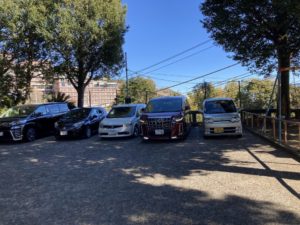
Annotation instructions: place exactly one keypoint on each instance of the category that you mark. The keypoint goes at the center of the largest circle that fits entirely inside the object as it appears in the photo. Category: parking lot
(127, 181)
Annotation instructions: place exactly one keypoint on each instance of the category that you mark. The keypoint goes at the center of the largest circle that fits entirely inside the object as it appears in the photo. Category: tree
(86, 38)
(140, 90)
(202, 91)
(256, 94)
(261, 34)
(231, 90)
(23, 50)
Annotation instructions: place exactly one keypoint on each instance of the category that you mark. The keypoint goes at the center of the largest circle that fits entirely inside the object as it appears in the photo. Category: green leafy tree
(202, 91)
(23, 50)
(140, 90)
(61, 97)
(261, 34)
(256, 94)
(87, 38)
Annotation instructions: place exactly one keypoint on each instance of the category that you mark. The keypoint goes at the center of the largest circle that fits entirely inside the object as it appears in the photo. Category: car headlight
(128, 124)
(142, 121)
(79, 124)
(209, 120)
(235, 119)
(16, 124)
(177, 119)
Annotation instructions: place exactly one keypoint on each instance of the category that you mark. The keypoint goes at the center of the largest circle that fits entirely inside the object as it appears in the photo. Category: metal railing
(269, 127)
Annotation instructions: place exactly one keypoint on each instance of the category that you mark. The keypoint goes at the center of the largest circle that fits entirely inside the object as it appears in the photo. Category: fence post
(274, 128)
(265, 125)
(257, 121)
(285, 132)
(299, 131)
(252, 121)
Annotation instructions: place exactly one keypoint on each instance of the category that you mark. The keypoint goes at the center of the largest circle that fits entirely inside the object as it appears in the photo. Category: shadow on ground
(99, 182)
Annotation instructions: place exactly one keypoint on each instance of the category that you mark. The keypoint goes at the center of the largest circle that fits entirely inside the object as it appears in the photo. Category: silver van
(221, 117)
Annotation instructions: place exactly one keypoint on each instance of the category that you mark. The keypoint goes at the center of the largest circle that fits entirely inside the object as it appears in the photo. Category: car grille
(159, 123)
(112, 126)
(226, 130)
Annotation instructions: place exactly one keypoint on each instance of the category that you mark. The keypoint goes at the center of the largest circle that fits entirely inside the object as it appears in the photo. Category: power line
(181, 59)
(174, 56)
(196, 78)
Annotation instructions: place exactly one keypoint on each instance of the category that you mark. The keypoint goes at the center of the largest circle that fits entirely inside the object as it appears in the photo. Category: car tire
(30, 134)
(57, 137)
(135, 131)
(87, 132)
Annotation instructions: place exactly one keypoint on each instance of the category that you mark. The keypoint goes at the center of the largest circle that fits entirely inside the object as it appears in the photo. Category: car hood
(221, 116)
(116, 121)
(160, 115)
(8, 120)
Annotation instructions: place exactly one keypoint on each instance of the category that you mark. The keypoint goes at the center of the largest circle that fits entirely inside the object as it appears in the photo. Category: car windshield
(221, 106)
(77, 114)
(164, 105)
(18, 111)
(122, 112)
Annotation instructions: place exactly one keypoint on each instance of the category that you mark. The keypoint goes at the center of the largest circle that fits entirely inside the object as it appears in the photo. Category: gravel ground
(126, 181)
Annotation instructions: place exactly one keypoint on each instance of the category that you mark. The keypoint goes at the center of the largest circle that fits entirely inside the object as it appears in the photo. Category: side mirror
(93, 117)
(187, 107)
(37, 114)
(142, 110)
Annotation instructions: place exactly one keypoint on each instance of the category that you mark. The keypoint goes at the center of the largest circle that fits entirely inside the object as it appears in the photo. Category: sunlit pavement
(126, 181)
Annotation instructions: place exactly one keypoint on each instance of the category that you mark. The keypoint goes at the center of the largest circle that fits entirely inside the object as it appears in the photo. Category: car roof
(218, 99)
(169, 97)
(129, 105)
(42, 104)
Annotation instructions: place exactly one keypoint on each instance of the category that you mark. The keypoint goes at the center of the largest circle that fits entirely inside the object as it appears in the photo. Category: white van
(121, 121)
(221, 117)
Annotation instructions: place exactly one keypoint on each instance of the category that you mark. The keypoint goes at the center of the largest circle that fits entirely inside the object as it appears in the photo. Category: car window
(53, 108)
(219, 106)
(122, 112)
(94, 112)
(19, 111)
(164, 105)
(63, 108)
(41, 111)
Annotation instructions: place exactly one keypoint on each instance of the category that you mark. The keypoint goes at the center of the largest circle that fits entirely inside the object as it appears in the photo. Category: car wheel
(30, 134)
(57, 137)
(135, 131)
(87, 132)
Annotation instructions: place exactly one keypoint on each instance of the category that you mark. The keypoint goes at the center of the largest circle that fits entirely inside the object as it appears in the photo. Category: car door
(40, 118)
(94, 119)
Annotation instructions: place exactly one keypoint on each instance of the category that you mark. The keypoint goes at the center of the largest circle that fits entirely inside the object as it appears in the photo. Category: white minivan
(221, 117)
(121, 121)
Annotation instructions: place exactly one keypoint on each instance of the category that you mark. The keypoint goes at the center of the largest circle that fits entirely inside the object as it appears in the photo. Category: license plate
(64, 133)
(1, 133)
(112, 132)
(218, 130)
(159, 132)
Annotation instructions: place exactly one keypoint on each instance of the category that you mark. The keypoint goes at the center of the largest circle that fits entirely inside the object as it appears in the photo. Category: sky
(159, 29)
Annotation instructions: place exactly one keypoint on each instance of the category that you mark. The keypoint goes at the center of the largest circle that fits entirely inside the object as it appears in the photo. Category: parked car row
(162, 118)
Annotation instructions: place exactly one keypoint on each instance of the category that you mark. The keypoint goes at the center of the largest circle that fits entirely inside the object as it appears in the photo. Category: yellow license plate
(218, 130)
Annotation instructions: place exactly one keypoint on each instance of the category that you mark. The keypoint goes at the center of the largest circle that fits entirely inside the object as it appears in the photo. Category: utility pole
(205, 90)
(240, 97)
(126, 75)
(279, 107)
(146, 97)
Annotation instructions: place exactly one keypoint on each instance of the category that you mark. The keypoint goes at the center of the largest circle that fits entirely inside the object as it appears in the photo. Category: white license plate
(159, 132)
(1, 133)
(64, 133)
(112, 133)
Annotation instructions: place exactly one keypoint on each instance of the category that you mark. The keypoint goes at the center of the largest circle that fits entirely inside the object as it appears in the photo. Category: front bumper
(124, 131)
(13, 134)
(69, 132)
(175, 131)
(229, 129)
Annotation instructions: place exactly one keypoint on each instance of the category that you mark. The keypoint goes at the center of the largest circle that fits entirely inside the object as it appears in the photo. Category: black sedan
(80, 122)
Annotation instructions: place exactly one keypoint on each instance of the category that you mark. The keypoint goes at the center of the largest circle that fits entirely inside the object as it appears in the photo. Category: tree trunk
(80, 95)
(284, 64)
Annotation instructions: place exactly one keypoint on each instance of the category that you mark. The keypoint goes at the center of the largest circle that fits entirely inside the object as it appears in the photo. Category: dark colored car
(80, 122)
(27, 122)
(166, 118)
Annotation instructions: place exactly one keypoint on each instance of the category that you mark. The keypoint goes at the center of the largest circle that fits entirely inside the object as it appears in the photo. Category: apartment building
(97, 93)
